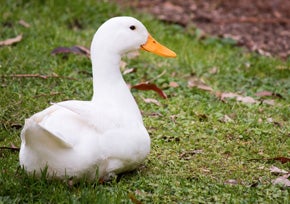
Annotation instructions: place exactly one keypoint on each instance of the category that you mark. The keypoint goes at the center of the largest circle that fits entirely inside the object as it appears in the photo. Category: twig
(157, 77)
(16, 149)
(280, 159)
(36, 76)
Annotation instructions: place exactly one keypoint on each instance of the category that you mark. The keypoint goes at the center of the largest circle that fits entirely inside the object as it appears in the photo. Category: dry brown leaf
(128, 71)
(147, 86)
(134, 199)
(12, 148)
(276, 170)
(153, 114)
(151, 100)
(283, 160)
(268, 93)
(199, 83)
(83, 50)
(24, 23)
(269, 102)
(213, 70)
(204, 87)
(232, 182)
(282, 180)
(234, 37)
(226, 119)
(270, 120)
(11, 41)
(77, 49)
(224, 95)
(173, 84)
(205, 170)
(246, 99)
(264, 93)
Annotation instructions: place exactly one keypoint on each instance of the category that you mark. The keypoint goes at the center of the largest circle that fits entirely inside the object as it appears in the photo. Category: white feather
(105, 135)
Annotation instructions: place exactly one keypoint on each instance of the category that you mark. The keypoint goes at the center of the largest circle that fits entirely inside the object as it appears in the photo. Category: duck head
(119, 35)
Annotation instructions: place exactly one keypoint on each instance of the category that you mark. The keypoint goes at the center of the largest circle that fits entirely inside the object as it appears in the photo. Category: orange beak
(155, 47)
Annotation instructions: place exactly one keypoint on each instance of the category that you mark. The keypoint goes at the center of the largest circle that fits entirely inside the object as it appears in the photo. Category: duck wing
(35, 133)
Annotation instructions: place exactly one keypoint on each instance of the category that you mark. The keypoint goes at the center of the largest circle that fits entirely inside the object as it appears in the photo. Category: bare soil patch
(262, 25)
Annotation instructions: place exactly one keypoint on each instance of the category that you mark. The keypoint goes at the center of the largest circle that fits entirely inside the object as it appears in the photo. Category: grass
(188, 122)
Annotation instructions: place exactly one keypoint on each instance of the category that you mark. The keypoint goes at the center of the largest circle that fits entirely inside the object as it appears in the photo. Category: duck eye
(132, 27)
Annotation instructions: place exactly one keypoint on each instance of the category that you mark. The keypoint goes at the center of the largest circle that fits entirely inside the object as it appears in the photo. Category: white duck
(105, 136)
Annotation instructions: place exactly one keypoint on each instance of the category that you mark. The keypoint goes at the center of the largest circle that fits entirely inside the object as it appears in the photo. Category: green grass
(190, 119)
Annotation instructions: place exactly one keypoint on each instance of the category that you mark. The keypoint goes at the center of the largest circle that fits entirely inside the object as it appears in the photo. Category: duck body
(76, 138)
(97, 138)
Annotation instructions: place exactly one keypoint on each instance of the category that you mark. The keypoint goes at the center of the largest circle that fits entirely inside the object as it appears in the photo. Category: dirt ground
(262, 25)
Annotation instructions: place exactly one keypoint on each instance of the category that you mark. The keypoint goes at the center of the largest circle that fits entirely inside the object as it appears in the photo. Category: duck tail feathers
(34, 133)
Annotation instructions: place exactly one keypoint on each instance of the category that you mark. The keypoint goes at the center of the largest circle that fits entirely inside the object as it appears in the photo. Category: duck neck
(109, 85)
(105, 73)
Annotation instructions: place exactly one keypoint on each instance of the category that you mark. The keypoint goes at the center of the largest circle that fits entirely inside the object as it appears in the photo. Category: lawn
(206, 146)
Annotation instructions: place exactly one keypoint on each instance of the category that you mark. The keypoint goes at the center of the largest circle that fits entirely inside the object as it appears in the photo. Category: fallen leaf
(16, 126)
(11, 41)
(128, 71)
(199, 83)
(213, 70)
(24, 23)
(151, 100)
(283, 160)
(12, 148)
(173, 84)
(263, 52)
(276, 170)
(226, 119)
(282, 180)
(154, 114)
(246, 99)
(134, 199)
(269, 120)
(222, 96)
(204, 87)
(269, 102)
(205, 170)
(268, 93)
(264, 93)
(81, 50)
(148, 86)
(234, 37)
(232, 182)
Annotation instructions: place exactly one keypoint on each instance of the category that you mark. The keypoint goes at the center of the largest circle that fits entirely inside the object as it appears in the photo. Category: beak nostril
(153, 46)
